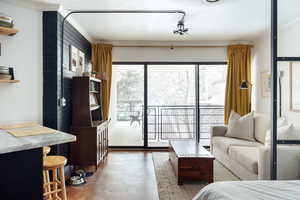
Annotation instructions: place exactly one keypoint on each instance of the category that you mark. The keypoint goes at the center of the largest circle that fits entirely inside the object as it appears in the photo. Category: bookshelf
(88, 125)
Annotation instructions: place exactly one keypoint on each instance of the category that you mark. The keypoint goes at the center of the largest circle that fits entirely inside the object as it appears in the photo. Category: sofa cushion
(223, 143)
(241, 127)
(245, 156)
(288, 132)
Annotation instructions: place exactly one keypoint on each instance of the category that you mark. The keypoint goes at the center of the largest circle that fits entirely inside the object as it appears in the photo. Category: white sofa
(251, 160)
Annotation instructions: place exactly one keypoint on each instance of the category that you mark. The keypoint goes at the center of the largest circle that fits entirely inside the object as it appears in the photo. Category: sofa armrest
(288, 165)
(218, 131)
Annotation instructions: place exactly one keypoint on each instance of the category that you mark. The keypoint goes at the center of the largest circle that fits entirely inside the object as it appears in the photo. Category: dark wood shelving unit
(87, 123)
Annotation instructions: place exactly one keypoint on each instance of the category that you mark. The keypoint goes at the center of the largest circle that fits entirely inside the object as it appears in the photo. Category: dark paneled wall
(54, 116)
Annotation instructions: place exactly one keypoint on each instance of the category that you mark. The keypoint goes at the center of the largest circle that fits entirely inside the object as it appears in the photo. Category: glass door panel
(171, 103)
(127, 105)
(212, 83)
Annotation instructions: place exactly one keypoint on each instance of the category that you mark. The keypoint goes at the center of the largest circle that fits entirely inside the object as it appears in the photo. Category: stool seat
(46, 150)
(51, 162)
(56, 186)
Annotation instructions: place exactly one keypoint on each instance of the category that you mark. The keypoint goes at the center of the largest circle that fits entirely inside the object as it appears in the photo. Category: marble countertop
(10, 143)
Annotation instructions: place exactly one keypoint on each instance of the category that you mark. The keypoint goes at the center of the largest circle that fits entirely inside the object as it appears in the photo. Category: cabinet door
(98, 148)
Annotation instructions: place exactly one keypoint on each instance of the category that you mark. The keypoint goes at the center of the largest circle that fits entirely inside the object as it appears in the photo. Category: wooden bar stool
(55, 164)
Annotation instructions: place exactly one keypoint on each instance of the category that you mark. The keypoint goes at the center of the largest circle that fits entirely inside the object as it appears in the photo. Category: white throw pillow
(241, 127)
(287, 132)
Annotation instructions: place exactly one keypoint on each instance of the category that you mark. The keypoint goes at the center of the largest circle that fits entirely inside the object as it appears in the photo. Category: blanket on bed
(251, 190)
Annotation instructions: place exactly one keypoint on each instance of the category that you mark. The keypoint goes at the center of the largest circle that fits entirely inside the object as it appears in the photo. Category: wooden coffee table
(191, 161)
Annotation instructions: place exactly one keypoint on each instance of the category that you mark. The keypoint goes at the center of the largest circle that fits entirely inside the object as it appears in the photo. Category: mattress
(251, 190)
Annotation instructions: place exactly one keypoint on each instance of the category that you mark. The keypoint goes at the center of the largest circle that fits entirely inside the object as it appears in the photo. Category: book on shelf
(5, 77)
(6, 21)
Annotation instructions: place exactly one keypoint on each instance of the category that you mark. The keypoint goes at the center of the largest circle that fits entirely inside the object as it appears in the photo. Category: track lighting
(181, 30)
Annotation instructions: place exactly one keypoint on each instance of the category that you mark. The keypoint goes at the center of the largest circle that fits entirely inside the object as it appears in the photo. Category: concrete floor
(122, 134)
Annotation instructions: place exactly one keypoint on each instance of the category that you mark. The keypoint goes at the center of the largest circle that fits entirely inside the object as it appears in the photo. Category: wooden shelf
(96, 92)
(9, 81)
(8, 31)
(94, 107)
(95, 79)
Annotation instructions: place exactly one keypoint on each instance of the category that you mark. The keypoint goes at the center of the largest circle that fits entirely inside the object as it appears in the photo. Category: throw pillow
(241, 127)
(287, 132)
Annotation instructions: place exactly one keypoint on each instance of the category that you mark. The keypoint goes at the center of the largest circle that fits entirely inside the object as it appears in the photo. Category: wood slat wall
(53, 115)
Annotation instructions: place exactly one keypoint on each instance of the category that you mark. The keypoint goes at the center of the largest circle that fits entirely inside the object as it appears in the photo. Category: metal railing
(172, 121)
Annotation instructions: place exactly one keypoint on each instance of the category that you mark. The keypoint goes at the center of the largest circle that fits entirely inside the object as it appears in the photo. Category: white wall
(260, 63)
(166, 54)
(22, 101)
(288, 45)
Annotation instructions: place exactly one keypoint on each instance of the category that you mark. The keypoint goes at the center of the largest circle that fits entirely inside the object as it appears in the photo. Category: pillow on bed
(287, 132)
(241, 127)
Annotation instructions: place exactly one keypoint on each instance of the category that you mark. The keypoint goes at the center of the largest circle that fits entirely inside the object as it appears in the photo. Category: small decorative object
(6, 73)
(93, 100)
(294, 86)
(81, 63)
(93, 74)
(73, 58)
(6, 21)
(265, 84)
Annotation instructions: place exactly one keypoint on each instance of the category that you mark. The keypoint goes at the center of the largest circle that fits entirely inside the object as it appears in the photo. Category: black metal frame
(274, 71)
(145, 65)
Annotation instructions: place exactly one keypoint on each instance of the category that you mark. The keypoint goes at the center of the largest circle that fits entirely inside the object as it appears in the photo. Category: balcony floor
(122, 134)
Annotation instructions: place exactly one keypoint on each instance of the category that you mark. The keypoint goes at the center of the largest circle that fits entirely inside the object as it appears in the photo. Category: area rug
(167, 181)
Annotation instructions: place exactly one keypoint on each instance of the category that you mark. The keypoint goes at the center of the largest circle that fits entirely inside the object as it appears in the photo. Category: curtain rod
(174, 46)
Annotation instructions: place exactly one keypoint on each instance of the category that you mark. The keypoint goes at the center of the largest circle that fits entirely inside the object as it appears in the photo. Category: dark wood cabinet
(87, 123)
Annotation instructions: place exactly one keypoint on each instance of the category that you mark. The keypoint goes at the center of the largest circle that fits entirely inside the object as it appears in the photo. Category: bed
(251, 190)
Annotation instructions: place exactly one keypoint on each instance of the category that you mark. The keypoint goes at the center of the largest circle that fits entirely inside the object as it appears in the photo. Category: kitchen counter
(21, 163)
(10, 143)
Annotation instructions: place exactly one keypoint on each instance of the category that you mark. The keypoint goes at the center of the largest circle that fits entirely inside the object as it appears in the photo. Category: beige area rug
(167, 181)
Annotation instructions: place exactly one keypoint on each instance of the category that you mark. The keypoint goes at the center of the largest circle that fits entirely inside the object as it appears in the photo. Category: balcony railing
(172, 121)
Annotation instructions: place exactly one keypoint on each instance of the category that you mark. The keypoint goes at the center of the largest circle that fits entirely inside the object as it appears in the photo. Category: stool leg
(54, 175)
(44, 181)
(48, 189)
(62, 180)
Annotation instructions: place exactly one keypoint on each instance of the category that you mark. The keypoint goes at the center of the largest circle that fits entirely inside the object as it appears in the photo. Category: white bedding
(251, 190)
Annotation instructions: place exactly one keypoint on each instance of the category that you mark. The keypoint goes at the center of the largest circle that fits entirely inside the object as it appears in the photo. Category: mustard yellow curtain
(239, 68)
(102, 64)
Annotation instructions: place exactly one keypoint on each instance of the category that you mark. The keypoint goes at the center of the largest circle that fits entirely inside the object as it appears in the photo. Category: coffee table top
(189, 149)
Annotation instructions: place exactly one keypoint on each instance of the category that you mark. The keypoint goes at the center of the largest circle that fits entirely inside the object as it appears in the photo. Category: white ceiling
(225, 20)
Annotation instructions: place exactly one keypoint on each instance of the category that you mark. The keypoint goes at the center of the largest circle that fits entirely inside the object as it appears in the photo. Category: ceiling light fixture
(181, 30)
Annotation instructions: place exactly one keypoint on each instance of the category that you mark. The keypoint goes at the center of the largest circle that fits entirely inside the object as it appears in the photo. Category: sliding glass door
(126, 106)
(212, 83)
(171, 103)
(152, 103)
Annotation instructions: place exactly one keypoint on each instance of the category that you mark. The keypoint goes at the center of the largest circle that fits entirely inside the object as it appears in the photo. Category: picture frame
(81, 63)
(294, 73)
(265, 84)
(73, 58)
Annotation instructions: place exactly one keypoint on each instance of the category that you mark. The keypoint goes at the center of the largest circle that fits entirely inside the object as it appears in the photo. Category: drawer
(195, 164)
